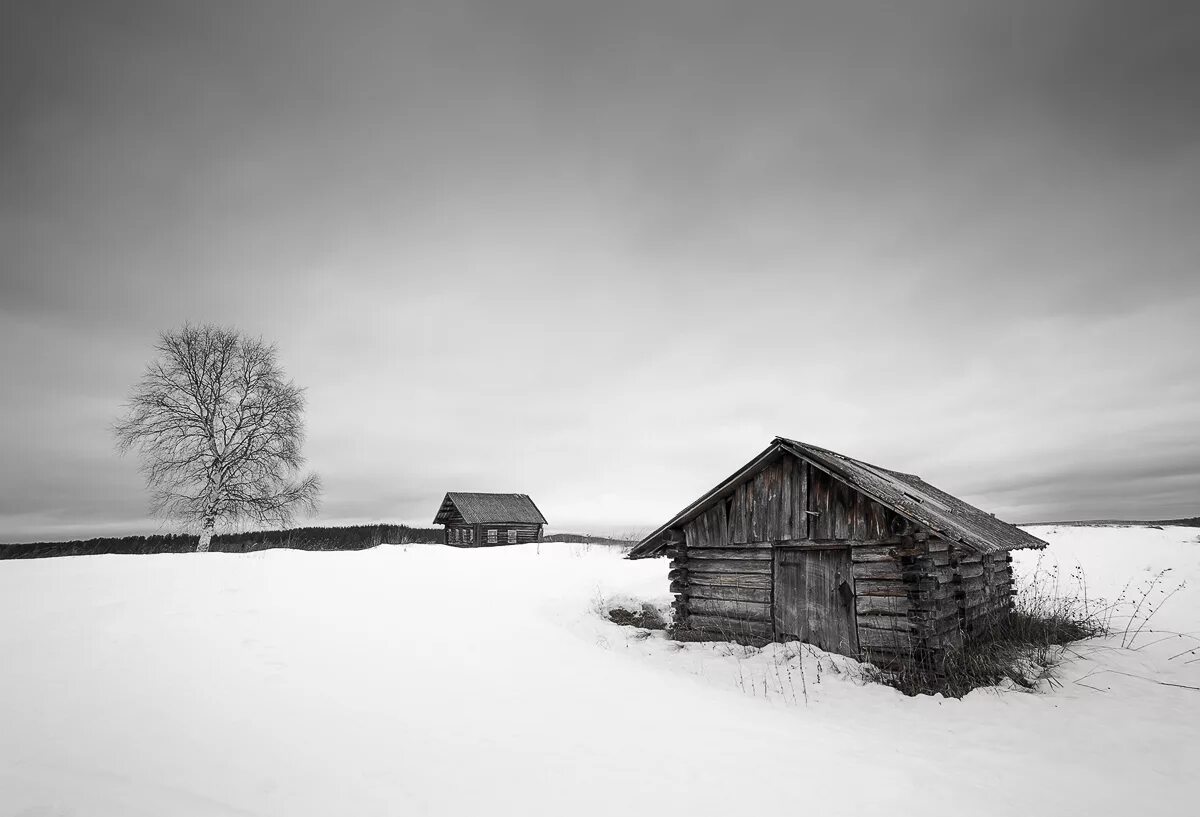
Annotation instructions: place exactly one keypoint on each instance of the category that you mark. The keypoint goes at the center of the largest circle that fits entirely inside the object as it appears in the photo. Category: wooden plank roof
(908, 495)
(482, 509)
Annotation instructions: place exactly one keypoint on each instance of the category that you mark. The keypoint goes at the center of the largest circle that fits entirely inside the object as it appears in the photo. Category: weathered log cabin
(806, 544)
(481, 520)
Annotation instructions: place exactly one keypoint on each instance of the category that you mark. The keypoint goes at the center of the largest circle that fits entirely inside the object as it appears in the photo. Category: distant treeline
(582, 538)
(1191, 522)
(353, 537)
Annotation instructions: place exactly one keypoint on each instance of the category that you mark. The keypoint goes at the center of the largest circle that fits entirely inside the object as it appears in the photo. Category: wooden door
(814, 598)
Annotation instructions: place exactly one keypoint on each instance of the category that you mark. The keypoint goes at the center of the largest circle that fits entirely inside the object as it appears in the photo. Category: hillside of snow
(424, 680)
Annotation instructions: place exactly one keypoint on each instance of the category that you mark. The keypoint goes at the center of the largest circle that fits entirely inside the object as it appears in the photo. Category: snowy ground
(428, 680)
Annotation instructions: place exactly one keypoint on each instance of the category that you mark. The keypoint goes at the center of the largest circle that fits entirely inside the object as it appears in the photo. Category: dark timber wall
(914, 595)
(501, 533)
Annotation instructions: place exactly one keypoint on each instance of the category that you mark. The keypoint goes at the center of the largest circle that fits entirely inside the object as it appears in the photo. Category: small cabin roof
(910, 496)
(483, 509)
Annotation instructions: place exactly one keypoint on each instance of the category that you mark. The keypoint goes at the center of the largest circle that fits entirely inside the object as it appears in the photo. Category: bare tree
(219, 430)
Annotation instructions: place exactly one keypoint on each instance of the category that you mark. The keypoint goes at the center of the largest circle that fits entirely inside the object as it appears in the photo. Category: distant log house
(806, 544)
(481, 520)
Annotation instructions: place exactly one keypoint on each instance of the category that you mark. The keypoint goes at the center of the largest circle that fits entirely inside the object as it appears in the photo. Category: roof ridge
(839, 455)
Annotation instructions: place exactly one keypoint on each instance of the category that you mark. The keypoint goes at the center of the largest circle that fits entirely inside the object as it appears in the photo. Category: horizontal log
(740, 610)
(971, 598)
(941, 627)
(749, 594)
(878, 570)
(884, 622)
(970, 571)
(891, 548)
(986, 608)
(951, 641)
(757, 582)
(898, 642)
(748, 552)
(875, 557)
(883, 584)
(881, 589)
(854, 544)
(727, 628)
(929, 595)
(881, 604)
(730, 566)
(691, 634)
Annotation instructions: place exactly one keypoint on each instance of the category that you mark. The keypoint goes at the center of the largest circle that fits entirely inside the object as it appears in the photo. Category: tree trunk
(206, 535)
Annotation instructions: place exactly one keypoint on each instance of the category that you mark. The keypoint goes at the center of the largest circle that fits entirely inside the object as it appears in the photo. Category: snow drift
(430, 680)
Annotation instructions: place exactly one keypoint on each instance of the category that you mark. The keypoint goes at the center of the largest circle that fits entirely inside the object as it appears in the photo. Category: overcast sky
(602, 252)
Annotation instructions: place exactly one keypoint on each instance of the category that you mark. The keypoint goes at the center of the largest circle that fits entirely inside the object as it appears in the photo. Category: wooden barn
(806, 544)
(481, 520)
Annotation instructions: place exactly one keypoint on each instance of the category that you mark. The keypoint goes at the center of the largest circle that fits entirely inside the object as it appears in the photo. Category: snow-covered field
(428, 680)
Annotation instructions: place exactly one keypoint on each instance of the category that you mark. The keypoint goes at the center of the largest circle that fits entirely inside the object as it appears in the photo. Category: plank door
(814, 599)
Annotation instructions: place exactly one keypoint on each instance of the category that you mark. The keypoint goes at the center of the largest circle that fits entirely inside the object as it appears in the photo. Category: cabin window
(469, 535)
(491, 534)
(512, 537)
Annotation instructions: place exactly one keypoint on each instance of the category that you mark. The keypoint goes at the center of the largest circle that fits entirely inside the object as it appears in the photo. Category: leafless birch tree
(219, 431)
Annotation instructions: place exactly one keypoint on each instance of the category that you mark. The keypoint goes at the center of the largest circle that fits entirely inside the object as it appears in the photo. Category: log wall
(886, 589)
(722, 594)
(949, 593)
(462, 535)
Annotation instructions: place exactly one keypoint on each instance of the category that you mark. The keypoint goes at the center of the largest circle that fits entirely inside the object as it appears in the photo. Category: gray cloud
(601, 253)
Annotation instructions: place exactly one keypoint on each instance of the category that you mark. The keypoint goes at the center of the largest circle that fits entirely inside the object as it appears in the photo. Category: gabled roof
(481, 509)
(906, 494)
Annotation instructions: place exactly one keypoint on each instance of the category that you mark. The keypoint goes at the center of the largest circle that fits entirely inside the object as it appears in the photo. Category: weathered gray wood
(758, 581)
(879, 570)
(823, 544)
(970, 571)
(725, 608)
(820, 523)
(730, 565)
(739, 523)
(882, 604)
(800, 524)
(896, 623)
(760, 508)
(771, 509)
(871, 557)
(841, 500)
(784, 507)
(709, 529)
(814, 598)
(707, 554)
(877, 522)
(729, 627)
(748, 594)
(897, 641)
(890, 547)
(892, 589)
